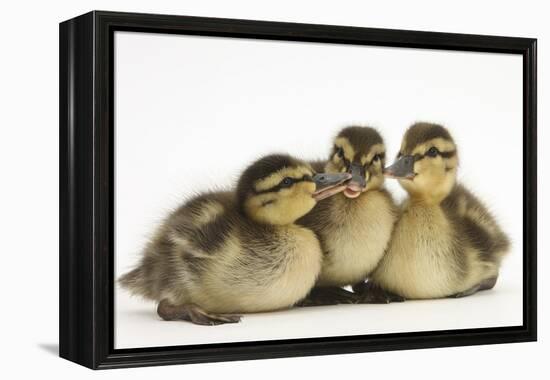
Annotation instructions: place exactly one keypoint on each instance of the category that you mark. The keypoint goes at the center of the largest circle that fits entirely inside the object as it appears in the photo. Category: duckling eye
(340, 152)
(287, 181)
(376, 158)
(432, 152)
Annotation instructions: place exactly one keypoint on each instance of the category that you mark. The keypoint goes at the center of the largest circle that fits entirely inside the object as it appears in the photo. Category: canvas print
(282, 190)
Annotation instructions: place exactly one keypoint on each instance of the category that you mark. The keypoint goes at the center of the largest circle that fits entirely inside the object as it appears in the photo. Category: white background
(29, 157)
(193, 111)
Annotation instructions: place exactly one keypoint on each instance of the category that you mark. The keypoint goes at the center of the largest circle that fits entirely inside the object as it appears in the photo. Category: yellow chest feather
(356, 244)
(418, 263)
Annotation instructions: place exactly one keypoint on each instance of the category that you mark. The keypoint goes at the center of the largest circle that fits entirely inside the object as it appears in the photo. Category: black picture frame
(86, 294)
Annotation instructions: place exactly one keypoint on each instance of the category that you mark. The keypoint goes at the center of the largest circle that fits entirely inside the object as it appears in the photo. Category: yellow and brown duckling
(355, 226)
(446, 243)
(225, 253)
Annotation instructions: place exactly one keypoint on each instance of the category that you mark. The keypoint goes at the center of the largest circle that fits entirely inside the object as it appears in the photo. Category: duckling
(355, 226)
(446, 243)
(223, 253)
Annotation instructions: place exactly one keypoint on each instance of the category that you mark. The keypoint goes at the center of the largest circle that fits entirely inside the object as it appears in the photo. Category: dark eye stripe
(268, 202)
(449, 154)
(381, 155)
(280, 185)
(338, 151)
(346, 161)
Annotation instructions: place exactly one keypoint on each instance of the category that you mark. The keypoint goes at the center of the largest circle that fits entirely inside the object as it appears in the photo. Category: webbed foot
(488, 283)
(194, 314)
(331, 295)
(369, 292)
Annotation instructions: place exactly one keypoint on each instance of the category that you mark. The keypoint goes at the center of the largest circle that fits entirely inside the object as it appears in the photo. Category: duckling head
(427, 162)
(279, 189)
(359, 151)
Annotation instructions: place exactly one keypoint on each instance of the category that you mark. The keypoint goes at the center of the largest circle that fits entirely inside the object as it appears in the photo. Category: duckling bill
(329, 184)
(225, 253)
(402, 168)
(445, 243)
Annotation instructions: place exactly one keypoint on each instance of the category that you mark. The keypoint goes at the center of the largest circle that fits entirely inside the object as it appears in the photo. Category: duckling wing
(204, 222)
(182, 246)
(477, 225)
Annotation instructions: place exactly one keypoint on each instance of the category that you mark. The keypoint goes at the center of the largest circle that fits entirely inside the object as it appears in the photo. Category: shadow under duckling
(224, 253)
(446, 243)
(355, 226)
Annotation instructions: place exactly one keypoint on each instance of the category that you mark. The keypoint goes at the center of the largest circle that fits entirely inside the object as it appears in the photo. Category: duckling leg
(369, 292)
(193, 313)
(486, 284)
(330, 295)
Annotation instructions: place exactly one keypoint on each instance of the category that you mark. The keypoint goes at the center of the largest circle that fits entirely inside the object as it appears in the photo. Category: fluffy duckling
(223, 253)
(355, 226)
(445, 243)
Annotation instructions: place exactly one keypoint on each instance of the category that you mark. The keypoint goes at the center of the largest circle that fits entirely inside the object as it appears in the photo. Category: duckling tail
(133, 280)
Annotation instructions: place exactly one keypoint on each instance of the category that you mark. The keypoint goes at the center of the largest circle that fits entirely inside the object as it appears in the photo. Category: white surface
(29, 156)
(138, 323)
(193, 111)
